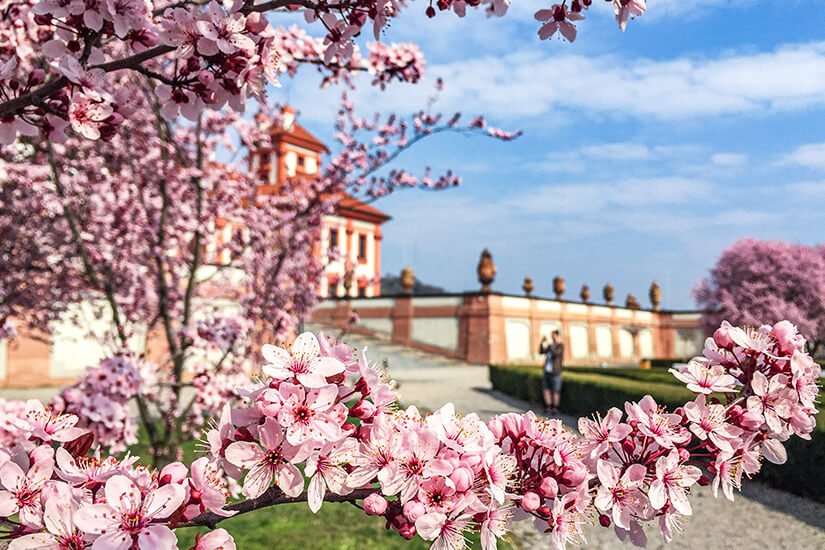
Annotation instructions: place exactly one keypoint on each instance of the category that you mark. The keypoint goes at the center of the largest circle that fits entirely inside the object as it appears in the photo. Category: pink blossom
(325, 467)
(621, 495)
(379, 450)
(446, 531)
(60, 534)
(275, 457)
(559, 18)
(128, 15)
(599, 433)
(207, 490)
(495, 525)
(128, 516)
(627, 8)
(219, 539)
(703, 377)
(303, 362)
(708, 422)
(22, 494)
(222, 32)
(311, 415)
(672, 480)
(87, 115)
(663, 427)
(46, 426)
(772, 399)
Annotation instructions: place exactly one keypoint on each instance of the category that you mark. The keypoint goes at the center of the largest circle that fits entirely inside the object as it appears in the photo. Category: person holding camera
(551, 381)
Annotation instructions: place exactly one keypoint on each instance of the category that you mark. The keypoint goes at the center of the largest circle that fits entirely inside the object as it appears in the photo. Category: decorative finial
(632, 302)
(655, 295)
(347, 281)
(608, 294)
(585, 294)
(407, 280)
(528, 287)
(486, 270)
(558, 286)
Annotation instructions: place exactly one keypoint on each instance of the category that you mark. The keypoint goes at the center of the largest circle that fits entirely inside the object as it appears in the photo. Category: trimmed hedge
(585, 392)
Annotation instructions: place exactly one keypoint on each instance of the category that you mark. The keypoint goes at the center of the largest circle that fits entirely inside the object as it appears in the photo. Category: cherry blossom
(128, 515)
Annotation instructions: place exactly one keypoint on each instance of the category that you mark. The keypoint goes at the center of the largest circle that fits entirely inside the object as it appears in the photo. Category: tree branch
(272, 497)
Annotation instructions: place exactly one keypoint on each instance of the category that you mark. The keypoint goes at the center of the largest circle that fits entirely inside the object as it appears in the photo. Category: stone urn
(528, 287)
(347, 282)
(407, 280)
(486, 270)
(585, 294)
(655, 295)
(608, 293)
(632, 302)
(558, 286)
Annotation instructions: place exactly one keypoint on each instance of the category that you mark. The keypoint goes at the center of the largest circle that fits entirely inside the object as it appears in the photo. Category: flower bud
(704, 480)
(42, 452)
(407, 531)
(37, 77)
(462, 478)
(375, 505)
(496, 426)
(175, 472)
(628, 446)
(530, 501)
(413, 510)
(243, 434)
(349, 428)
(604, 520)
(574, 473)
(544, 511)
(549, 488)
(722, 337)
(363, 410)
(684, 454)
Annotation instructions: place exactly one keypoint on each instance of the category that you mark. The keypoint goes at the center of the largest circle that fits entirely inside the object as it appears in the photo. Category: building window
(300, 161)
(333, 238)
(332, 291)
(362, 290)
(362, 248)
(264, 159)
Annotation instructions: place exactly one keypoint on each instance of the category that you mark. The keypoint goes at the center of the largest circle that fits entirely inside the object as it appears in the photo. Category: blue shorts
(551, 381)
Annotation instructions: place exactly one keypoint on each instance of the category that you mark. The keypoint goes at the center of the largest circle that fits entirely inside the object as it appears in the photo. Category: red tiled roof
(300, 136)
(350, 207)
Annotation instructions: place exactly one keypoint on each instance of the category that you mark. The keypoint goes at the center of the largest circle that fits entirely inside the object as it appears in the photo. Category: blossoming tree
(111, 195)
(758, 280)
(322, 406)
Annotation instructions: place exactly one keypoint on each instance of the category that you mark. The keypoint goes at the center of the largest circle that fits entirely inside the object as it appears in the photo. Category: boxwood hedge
(587, 390)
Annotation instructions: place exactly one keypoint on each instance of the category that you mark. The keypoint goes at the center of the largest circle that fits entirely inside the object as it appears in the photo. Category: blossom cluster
(60, 58)
(323, 406)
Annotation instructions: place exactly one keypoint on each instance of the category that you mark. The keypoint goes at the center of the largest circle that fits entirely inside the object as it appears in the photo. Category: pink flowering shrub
(322, 406)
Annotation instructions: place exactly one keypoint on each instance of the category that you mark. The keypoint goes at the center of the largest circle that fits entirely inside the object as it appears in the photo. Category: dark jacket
(555, 353)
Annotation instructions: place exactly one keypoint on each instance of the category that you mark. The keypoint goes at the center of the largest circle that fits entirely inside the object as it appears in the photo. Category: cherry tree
(323, 406)
(767, 280)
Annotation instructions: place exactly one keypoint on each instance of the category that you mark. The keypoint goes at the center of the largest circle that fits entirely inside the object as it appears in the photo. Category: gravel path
(760, 518)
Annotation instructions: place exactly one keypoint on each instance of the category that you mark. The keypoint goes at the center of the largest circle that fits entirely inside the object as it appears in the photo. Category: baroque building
(350, 239)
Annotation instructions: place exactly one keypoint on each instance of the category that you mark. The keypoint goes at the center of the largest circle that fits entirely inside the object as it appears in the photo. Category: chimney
(288, 117)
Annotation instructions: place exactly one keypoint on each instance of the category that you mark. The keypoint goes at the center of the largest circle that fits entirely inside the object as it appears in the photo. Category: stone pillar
(474, 324)
(402, 315)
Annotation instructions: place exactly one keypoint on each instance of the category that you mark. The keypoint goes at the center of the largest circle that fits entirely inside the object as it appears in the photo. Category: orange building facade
(349, 243)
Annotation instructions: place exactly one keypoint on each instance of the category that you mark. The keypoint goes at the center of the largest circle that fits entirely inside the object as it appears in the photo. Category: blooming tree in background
(321, 405)
(756, 281)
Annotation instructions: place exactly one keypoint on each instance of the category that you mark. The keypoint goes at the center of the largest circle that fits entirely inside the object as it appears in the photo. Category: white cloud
(728, 159)
(811, 155)
(531, 83)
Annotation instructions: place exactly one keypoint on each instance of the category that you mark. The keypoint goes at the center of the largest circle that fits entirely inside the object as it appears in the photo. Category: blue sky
(644, 155)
